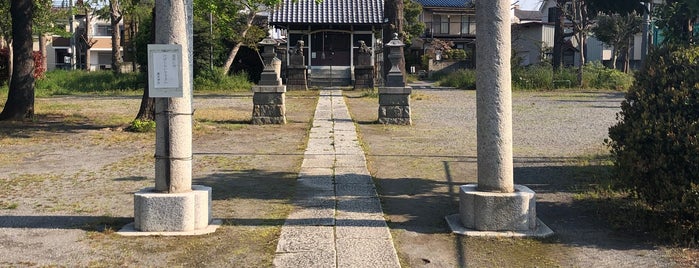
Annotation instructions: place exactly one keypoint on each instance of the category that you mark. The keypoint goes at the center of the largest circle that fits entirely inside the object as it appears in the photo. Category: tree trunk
(10, 61)
(88, 39)
(627, 56)
(581, 47)
(20, 99)
(393, 11)
(147, 108)
(615, 56)
(234, 51)
(558, 37)
(115, 16)
(42, 50)
(133, 28)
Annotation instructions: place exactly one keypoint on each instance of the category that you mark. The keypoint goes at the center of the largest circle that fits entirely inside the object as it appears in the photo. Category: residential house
(331, 31)
(533, 32)
(447, 20)
(533, 35)
(98, 45)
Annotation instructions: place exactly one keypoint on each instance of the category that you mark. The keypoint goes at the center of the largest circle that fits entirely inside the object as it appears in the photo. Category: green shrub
(595, 75)
(532, 77)
(565, 78)
(655, 145)
(216, 80)
(141, 126)
(463, 78)
(456, 54)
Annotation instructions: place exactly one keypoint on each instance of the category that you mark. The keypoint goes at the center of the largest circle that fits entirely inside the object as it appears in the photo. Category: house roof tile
(445, 3)
(329, 12)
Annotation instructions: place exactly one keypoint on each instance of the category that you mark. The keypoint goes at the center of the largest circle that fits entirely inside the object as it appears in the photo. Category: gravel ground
(67, 180)
(557, 138)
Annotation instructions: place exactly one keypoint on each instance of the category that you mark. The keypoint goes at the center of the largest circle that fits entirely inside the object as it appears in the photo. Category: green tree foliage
(233, 24)
(676, 20)
(655, 144)
(414, 27)
(618, 31)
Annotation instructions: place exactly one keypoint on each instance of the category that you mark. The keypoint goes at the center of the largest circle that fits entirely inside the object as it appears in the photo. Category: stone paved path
(338, 220)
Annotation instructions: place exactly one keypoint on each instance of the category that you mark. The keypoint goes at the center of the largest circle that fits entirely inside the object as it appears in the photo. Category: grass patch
(8, 205)
(217, 81)
(222, 163)
(105, 83)
(24, 180)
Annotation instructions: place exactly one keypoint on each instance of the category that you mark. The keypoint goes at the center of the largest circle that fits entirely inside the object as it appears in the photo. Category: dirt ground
(558, 138)
(67, 182)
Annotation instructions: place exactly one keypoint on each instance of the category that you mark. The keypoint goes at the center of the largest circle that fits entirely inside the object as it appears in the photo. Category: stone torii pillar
(495, 206)
(174, 206)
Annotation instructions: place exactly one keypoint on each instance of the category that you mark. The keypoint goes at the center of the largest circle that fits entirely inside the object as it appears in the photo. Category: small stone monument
(269, 96)
(296, 70)
(394, 97)
(363, 70)
(495, 206)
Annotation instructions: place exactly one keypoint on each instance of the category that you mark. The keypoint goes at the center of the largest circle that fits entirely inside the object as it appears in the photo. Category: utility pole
(211, 36)
(645, 40)
(72, 36)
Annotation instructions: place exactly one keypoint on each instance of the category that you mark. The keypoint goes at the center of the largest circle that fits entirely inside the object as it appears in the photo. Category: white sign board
(165, 71)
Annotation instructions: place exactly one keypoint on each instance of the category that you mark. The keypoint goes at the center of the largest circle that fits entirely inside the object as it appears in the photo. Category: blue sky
(528, 4)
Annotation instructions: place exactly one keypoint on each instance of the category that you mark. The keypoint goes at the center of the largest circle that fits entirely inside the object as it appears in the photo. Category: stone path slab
(338, 220)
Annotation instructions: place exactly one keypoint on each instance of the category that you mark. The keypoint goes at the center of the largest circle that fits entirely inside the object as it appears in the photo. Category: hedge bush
(463, 78)
(655, 144)
(595, 75)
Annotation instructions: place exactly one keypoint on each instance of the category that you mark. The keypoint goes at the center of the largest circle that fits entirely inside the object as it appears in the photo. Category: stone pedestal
(296, 77)
(363, 77)
(394, 105)
(488, 211)
(268, 105)
(172, 212)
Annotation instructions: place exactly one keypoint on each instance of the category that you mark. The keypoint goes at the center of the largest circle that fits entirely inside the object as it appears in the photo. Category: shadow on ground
(420, 205)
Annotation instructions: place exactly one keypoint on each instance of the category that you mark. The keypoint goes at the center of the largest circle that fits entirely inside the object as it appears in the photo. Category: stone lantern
(269, 95)
(394, 97)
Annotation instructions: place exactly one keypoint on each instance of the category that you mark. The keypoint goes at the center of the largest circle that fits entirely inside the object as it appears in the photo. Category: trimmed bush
(655, 144)
(463, 78)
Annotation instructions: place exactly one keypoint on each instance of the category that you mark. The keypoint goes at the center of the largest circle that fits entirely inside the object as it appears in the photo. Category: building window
(553, 14)
(103, 30)
(468, 25)
(444, 25)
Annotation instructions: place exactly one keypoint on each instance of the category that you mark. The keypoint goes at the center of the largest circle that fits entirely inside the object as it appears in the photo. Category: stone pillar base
(296, 77)
(497, 214)
(363, 77)
(394, 105)
(268, 105)
(177, 213)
